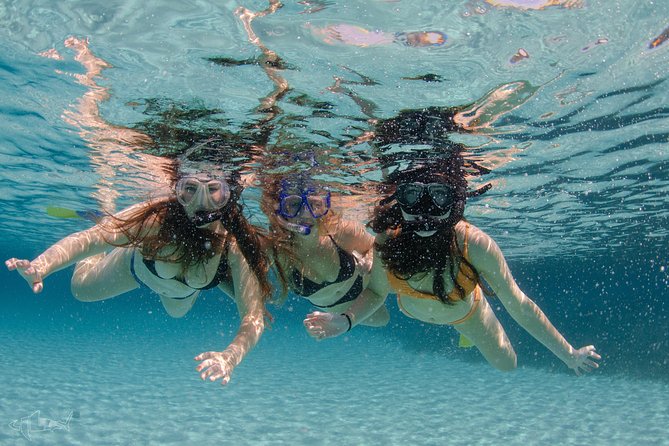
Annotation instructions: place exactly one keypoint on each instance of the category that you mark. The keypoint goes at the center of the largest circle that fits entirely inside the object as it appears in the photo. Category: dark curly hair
(405, 253)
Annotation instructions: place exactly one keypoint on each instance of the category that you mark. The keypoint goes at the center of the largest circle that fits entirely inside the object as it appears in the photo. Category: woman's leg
(485, 331)
(103, 276)
(379, 318)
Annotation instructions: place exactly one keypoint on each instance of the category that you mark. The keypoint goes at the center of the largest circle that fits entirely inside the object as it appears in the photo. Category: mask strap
(387, 200)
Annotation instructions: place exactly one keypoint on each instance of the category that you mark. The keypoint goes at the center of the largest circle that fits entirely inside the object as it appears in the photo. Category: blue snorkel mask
(296, 196)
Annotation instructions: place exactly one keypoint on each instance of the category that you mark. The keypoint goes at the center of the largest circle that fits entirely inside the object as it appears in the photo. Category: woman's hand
(215, 365)
(363, 264)
(583, 360)
(322, 325)
(28, 271)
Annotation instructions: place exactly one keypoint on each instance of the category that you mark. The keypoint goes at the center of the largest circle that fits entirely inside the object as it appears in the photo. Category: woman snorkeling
(320, 256)
(438, 265)
(193, 239)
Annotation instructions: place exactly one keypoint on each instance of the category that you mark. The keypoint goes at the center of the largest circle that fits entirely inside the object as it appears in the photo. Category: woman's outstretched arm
(71, 249)
(489, 261)
(219, 365)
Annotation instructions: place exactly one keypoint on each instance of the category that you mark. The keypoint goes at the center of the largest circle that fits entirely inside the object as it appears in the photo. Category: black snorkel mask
(427, 199)
(431, 193)
(426, 207)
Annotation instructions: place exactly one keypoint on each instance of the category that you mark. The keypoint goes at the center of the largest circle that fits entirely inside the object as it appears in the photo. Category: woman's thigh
(485, 331)
(103, 276)
(178, 307)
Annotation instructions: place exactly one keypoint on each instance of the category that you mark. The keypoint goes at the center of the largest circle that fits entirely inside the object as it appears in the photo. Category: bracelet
(350, 324)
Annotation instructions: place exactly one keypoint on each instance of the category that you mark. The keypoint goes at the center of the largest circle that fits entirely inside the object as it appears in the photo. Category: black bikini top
(220, 276)
(306, 287)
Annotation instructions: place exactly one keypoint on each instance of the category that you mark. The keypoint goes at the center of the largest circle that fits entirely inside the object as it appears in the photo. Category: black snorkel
(424, 223)
(205, 217)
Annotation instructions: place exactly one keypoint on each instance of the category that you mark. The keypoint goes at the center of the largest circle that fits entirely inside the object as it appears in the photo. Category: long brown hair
(405, 253)
(191, 244)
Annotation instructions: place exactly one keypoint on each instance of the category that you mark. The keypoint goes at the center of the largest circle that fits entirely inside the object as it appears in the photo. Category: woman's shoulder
(348, 231)
(468, 233)
(482, 248)
(466, 227)
(342, 226)
(462, 230)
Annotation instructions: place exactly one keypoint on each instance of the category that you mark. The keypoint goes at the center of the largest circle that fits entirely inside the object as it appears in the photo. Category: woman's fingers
(27, 271)
(214, 366)
(203, 364)
(592, 364)
(203, 356)
(14, 263)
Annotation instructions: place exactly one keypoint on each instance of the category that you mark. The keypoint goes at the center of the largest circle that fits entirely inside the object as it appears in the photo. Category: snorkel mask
(425, 206)
(430, 193)
(298, 195)
(208, 196)
(430, 199)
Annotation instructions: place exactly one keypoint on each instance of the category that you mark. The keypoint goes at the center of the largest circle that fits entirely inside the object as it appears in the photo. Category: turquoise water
(578, 160)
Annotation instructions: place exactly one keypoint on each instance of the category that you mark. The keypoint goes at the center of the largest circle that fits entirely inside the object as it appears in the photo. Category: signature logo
(36, 423)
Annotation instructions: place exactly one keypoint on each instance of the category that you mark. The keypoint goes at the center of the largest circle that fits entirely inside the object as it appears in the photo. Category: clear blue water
(580, 173)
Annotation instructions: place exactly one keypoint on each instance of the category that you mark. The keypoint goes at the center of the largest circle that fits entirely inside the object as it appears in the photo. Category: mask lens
(441, 194)
(218, 192)
(318, 205)
(408, 194)
(290, 205)
(211, 194)
(186, 190)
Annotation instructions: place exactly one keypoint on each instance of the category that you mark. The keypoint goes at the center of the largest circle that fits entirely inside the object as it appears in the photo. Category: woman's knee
(85, 290)
(505, 363)
(81, 293)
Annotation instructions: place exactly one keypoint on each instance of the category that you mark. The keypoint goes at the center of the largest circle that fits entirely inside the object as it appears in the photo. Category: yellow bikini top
(467, 278)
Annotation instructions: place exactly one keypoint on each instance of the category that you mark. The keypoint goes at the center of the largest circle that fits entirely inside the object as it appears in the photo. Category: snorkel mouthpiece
(300, 229)
(424, 223)
(202, 218)
(294, 227)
